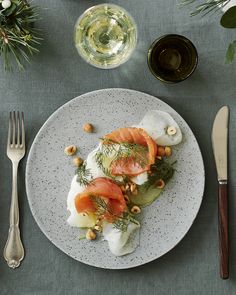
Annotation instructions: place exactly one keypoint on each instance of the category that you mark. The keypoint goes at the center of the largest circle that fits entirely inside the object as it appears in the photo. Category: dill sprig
(120, 222)
(83, 174)
(123, 222)
(101, 205)
(100, 158)
(124, 150)
(207, 7)
(116, 151)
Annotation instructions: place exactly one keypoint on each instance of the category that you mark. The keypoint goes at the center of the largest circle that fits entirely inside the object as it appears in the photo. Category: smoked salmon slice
(131, 166)
(105, 189)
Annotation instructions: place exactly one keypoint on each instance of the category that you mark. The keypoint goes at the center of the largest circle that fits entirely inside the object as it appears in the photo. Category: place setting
(115, 177)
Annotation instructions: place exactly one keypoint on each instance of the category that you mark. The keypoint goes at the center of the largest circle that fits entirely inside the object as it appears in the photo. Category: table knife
(220, 149)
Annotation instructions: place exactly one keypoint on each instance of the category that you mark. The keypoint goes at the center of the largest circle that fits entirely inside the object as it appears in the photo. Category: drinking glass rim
(126, 13)
(179, 37)
(111, 5)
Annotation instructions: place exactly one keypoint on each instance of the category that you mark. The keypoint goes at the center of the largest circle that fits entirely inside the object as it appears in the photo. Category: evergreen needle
(18, 38)
(205, 8)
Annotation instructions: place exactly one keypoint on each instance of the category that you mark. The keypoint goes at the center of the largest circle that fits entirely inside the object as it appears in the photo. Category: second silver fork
(14, 250)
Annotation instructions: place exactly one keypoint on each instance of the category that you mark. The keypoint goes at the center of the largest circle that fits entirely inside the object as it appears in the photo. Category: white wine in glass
(105, 36)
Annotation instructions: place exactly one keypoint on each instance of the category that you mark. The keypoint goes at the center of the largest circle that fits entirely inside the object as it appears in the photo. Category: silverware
(14, 250)
(220, 149)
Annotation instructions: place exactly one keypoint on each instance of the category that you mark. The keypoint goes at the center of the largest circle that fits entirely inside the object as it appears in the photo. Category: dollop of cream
(92, 165)
(156, 123)
(121, 243)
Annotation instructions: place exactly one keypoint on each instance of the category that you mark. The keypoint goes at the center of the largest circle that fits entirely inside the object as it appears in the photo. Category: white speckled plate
(49, 173)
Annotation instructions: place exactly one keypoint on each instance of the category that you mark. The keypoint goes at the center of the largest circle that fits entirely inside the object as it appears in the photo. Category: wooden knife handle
(223, 230)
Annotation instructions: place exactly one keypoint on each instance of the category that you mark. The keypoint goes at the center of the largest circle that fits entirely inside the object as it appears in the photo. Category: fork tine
(14, 129)
(9, 130)
(22, 129)
(18, 129)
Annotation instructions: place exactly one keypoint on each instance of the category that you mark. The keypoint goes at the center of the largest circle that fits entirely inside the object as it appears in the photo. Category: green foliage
(114, 151)
(228, 19)
(120, 222)
(149, 192)
(159, 170)
(83, 175)
(18, 38)
(230, 52)
(205, 8)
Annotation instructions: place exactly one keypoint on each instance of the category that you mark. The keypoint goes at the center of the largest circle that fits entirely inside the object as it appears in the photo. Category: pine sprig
(213, 6)
(18, 38)
(207, 7)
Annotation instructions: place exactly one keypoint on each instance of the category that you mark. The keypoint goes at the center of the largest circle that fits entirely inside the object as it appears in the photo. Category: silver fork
(14, 250)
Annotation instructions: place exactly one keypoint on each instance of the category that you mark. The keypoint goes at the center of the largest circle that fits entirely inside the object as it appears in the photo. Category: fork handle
(14, 250)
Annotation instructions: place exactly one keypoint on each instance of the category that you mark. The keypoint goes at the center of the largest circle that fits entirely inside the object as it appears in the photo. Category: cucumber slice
(146, 196)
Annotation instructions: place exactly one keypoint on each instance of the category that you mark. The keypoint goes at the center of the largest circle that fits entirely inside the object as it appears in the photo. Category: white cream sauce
(121, 243)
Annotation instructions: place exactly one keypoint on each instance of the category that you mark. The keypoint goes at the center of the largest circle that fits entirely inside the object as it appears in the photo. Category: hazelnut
(88, 128)
(70, 150)
(98, 228)
(160, 183)
(171, 130)
(77, 161)
(133, 187)
(168, 151)
(161, 151)
(90, 235)
(135, 209)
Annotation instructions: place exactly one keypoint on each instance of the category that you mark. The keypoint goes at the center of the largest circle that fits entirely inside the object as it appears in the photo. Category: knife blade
(220, 150)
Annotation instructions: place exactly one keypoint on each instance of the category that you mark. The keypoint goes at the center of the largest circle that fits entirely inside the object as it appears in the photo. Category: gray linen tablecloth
(57, 75)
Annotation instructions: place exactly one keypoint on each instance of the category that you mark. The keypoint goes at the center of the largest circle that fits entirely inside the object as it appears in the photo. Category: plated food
(49, 173)
(126, 172)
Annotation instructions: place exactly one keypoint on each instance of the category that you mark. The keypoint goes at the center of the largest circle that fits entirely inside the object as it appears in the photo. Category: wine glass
(105, 35)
